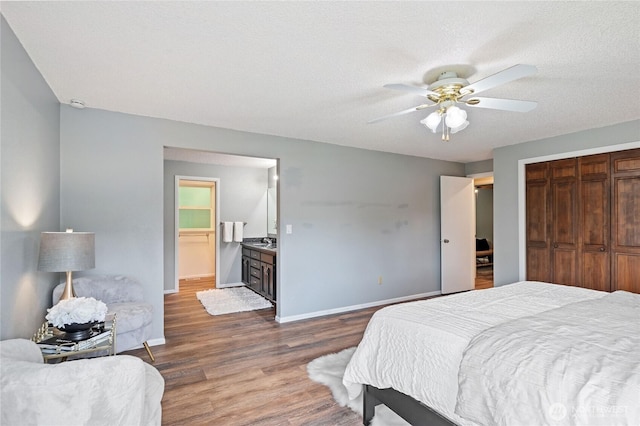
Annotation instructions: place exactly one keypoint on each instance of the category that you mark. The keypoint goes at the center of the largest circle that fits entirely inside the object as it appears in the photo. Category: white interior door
(457, 234)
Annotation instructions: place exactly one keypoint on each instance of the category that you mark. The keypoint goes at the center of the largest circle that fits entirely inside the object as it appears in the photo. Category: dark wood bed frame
(415, 412)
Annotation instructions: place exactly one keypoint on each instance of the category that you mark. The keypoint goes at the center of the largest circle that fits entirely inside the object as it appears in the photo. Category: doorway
(483, 188)
(197, 242)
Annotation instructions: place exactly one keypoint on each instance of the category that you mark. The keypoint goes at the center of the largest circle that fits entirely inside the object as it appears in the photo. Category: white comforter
(416, 347)
(575, 365)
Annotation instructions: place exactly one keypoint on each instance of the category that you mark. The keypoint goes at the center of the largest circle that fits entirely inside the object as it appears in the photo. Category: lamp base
(68, 292)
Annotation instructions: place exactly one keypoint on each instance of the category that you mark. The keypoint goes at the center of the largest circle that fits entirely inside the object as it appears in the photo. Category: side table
(55, 348)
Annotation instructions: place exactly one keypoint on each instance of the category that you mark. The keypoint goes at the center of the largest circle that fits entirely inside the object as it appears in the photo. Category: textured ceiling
(315, 70)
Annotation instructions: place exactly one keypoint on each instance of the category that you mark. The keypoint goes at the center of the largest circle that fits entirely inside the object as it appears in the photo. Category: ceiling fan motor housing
(448, 87)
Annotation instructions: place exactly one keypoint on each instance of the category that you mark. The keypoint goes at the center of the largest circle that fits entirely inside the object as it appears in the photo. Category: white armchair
(112, 390)
(124, 297)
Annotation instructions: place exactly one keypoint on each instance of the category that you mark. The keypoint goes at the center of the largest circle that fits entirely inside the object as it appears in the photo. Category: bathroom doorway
(243, 193)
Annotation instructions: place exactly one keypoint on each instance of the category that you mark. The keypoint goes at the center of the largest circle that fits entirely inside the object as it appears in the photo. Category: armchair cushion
(99, 391)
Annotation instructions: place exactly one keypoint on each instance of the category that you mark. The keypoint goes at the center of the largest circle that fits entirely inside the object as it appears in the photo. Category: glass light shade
(460, 127)
(455, 117)
(432, 121)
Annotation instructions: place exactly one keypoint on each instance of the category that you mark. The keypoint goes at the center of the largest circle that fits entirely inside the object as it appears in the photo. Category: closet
(583, 221)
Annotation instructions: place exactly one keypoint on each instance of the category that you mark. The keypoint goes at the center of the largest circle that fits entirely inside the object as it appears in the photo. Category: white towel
(227, 232)
(238, 229)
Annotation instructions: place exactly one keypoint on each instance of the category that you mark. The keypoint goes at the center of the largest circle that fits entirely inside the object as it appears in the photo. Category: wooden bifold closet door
(583, 221)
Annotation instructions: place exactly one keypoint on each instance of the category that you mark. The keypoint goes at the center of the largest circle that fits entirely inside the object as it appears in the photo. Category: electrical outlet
(380, 280)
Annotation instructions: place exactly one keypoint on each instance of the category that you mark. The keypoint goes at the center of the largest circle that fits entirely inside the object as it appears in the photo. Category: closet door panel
(627, 212)
(538, 239)
(564, 267)
(594, 222)
(538, 267)
(625, 218)
(564, 221)
(627, 267)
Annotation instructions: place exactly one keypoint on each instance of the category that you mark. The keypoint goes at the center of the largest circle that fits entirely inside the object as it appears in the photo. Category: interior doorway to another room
(484, 231)
(197, 258)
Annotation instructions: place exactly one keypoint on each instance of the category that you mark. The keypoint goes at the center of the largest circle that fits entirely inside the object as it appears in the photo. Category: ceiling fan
(450, 90)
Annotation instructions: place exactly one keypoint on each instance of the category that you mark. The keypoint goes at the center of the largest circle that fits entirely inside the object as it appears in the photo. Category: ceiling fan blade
(407, 88)
(502, 104)
(406, 111)
(502, 77)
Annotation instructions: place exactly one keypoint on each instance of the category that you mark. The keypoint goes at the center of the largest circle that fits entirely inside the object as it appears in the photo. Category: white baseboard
(173, 290)
(151, 342)
(196, 277)
(230, 285)
(156, 342)
(355, 307)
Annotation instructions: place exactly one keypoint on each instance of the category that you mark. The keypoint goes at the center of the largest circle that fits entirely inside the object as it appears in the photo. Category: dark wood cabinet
(259, 271)
(583, 221)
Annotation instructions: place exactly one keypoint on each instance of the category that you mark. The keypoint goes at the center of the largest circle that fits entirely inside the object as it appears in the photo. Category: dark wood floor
(484, 277)
(246, 369)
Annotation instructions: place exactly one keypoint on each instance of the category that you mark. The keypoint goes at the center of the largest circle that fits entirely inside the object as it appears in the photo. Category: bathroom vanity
(259, 268)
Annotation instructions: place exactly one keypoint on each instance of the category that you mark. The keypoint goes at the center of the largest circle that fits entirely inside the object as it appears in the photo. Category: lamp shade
(66, 251)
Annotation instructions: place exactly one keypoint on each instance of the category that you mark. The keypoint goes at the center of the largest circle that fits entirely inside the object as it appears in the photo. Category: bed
(525, 353)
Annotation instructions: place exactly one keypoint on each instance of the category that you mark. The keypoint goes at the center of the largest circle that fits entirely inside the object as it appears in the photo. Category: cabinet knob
(555, 245)
(603, 249)
(445, 241)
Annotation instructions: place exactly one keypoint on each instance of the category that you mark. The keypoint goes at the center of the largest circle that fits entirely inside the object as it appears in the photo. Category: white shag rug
(329, 370)
(222, 301)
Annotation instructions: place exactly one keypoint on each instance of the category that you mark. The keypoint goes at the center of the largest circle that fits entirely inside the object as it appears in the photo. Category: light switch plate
(289, 229)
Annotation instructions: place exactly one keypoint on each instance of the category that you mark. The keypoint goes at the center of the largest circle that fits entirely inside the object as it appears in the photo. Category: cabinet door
(268, 280)
(564, 219)
(537, 222)
(625, 218)
(245, 270)
(594, 222)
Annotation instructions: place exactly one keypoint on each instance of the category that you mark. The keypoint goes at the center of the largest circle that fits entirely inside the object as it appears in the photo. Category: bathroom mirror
(272, 204)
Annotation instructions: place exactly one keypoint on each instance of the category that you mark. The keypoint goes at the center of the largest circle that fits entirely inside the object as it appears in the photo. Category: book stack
(58, 344)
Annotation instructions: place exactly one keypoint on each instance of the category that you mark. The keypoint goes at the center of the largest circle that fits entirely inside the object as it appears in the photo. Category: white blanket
(416, 347)
(575, 365)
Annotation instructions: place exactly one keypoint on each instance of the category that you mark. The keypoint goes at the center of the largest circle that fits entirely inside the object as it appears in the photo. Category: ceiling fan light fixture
(460, 127)
(456, 117)
(432, 121)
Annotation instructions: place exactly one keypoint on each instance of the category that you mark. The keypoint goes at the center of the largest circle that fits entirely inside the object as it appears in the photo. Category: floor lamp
(67, 252)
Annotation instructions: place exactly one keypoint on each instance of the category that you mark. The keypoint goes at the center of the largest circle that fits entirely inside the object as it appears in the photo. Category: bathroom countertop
(260, 247)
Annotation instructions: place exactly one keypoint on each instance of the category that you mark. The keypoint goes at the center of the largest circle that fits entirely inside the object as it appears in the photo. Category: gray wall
(29, 181)
(484, 166)
(355, 214)
(242, 197)
(507, 249)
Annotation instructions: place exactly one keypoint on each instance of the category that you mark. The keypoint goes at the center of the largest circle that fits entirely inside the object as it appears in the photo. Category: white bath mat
(222, 301)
